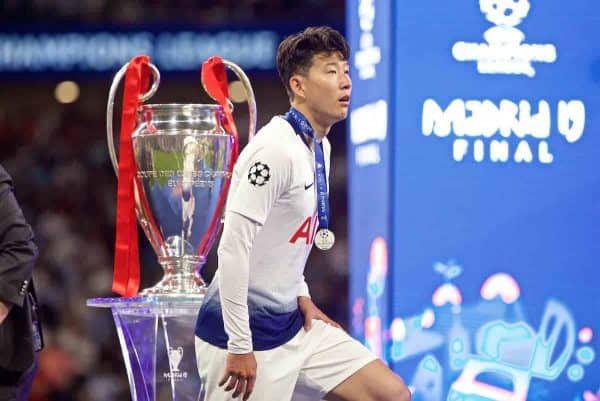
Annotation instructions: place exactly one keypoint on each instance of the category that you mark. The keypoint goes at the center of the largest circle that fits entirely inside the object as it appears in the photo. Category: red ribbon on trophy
(214, 80)
(126, 280)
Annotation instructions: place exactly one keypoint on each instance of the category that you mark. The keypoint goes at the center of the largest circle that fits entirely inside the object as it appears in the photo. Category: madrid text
(503, 132)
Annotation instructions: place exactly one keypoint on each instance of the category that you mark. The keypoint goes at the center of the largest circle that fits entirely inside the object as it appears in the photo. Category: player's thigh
(332, 357)
(276, 373)
(373, 382)
(211, 365)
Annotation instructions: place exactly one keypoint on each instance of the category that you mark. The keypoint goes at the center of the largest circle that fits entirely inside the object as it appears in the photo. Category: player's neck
(321, 129)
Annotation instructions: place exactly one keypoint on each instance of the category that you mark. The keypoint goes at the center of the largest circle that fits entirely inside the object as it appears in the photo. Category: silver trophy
(183, 159)
(183, 163)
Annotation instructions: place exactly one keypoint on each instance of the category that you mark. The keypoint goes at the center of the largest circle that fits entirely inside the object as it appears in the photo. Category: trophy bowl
(182, 156)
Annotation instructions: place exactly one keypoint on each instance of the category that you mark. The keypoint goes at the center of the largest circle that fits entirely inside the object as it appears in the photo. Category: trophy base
(162, 304)
(156, 334)
(175, 288)
(182, 278)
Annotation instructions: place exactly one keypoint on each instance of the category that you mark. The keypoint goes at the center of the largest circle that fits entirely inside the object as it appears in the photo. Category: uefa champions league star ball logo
(259, 174)
(505, 51)
(504, 13)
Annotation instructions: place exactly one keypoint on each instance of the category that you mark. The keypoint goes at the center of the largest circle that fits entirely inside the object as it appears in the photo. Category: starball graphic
(504, 51)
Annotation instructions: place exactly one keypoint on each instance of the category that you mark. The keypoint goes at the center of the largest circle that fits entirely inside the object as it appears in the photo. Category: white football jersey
(273, 184)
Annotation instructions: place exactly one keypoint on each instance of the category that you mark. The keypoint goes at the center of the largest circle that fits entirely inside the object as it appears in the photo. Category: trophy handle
(140, 211)
(111, 105)
(249, 96)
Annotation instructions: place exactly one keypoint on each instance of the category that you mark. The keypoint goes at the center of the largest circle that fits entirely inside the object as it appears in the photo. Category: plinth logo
(504, 51)
(175, 355)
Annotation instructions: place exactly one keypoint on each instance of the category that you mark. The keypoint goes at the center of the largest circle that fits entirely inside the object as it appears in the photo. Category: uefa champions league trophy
(183, 160)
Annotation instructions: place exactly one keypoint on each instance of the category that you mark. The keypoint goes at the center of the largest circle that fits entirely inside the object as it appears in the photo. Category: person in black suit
(20, 334)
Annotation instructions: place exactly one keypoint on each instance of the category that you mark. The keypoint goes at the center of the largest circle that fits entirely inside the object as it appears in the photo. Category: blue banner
(32, 50)
(369, 34)
(494, 206)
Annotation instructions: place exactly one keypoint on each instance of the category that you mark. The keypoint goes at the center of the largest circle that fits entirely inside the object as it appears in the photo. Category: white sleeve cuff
(303, 290)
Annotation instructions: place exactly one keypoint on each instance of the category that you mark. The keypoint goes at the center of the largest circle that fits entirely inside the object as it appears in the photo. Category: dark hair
(295, 53)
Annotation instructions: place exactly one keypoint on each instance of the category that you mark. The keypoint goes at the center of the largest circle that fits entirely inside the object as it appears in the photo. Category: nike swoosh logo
(308, 186)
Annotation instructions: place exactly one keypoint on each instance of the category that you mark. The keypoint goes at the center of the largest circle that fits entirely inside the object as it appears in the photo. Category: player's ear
(297, 85)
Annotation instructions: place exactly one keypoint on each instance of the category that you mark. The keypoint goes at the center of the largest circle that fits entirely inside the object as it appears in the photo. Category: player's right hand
(240, 372)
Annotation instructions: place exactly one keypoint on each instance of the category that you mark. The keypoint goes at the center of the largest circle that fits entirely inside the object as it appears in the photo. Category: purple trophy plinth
(156, 334)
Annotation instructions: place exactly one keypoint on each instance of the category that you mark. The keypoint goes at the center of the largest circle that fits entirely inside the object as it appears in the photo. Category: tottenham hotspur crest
(259, 174)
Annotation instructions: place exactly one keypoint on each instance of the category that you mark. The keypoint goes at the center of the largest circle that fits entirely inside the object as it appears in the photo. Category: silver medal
(324, 239)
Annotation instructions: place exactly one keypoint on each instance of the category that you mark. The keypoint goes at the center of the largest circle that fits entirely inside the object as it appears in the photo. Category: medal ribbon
(126, 279)
(301, 125)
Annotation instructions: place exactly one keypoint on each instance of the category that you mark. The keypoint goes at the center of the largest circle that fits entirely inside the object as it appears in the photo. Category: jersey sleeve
(263, 177)
(303, 288)
(233, 275)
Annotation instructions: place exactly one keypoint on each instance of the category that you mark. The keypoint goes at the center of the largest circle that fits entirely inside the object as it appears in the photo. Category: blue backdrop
(475, 233)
